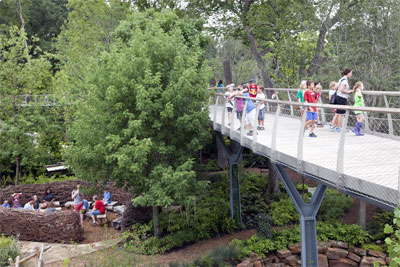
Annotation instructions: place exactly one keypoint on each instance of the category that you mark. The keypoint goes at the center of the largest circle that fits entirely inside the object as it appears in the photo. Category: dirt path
(186, 254)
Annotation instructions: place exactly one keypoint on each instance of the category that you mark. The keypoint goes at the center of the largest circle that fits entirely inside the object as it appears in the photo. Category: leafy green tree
(87, 33)
(21, 124)
(43, 19)
(146, 114)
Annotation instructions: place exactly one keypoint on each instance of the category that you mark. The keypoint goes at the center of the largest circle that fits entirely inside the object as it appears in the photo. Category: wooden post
(40, 263)
(17, 262)
(11, 262)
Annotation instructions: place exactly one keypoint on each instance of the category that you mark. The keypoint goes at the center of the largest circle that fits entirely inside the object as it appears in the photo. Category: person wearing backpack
(343, 93)
(333, 87)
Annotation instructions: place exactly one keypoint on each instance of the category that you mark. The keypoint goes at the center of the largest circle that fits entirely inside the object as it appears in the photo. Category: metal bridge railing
(30, 100)
(367, 165)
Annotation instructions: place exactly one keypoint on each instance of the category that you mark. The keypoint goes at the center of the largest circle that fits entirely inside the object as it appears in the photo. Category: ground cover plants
(8, 249)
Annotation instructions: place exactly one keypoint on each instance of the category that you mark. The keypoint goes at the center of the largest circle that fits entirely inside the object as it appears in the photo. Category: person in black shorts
(343, 93)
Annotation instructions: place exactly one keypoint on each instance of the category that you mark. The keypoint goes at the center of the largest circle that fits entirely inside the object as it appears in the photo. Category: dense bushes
(8, 249)
(351, 234)
(333, 207)
(253, 202)
(207, 217)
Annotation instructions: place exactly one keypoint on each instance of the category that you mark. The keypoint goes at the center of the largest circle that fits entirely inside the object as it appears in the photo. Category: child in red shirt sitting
(98, 209)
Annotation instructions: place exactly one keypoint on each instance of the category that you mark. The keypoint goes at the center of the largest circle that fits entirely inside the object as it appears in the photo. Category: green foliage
(209, 166)
(373, 246)
(219, 256)
(28, 134)
(208, 218)
(253, 202)
(334, 206)
(264, 229)
(283, 212)
(393, 242)
(300, 187)
(376, 227)
(43, 179)
(351, 234)
(144, 118)
(280, 240)
(8, 249)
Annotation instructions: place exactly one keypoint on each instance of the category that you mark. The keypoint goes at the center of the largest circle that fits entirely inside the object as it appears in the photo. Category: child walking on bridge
(300, 96)
(309, 97)
(358, 102)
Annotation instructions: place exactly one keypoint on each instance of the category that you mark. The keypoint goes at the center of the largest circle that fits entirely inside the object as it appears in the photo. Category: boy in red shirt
(253, 88)
(98, 209)
(310, 97)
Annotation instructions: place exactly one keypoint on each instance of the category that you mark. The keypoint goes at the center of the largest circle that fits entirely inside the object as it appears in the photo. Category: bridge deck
(371, 163)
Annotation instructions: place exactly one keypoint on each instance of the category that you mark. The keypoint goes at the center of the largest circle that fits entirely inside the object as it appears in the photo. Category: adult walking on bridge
(343, 94)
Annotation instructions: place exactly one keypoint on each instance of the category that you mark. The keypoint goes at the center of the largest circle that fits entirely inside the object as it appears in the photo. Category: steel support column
(236, 210)
(308, 213)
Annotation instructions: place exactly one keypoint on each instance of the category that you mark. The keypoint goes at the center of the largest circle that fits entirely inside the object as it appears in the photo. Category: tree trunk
(227, 72)
(23, 28)
(156, 220)
(257, 56)
(273, 184)
(212, 82)
(17, 168)
(222, 160)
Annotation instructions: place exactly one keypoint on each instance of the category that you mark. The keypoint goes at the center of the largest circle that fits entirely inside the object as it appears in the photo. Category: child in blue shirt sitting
(107, 197)
(5, 204)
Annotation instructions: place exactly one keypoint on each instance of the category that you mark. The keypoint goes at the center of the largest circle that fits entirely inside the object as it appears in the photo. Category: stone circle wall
(330, 254)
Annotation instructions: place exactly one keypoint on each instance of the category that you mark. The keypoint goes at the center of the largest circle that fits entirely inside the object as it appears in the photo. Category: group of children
(34, 203)
(250, 90)
(309, 92)
(46, 204)
(339, 92)
(81, 205)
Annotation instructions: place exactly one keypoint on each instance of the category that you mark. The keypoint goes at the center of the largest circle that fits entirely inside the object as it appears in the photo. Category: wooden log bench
(102, 218)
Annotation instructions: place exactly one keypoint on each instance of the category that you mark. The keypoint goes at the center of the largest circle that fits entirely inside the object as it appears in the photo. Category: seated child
(98, 209)
(5, 204)
(29, 204)
(85, 208)
(107, 197)
(16, 198)
(36, 202)
(48, 196)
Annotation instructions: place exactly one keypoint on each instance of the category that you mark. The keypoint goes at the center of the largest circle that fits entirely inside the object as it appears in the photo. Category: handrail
(329, 106)
(375, 93)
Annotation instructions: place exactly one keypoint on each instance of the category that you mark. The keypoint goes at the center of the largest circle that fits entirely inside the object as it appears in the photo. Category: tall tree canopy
(24, 130)
(146, 114)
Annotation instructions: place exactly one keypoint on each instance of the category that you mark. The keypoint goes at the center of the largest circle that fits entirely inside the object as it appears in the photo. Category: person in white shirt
(261, 112)
(229, 101)
(29, 205)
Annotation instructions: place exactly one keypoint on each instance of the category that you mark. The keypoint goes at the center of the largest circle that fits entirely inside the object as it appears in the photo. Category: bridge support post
(308, 212)
(236, 210)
